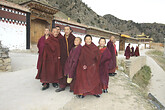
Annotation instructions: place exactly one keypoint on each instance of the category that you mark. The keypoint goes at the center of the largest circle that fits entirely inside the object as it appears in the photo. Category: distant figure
(59, 32)
(66, 44)
(132, 51)
(49, 69)
(137, 51)
(71, 63)
(127, 52)
(87, 75)
(107, 64)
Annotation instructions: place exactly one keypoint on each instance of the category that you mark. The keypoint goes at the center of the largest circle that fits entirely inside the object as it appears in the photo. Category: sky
(140, 11)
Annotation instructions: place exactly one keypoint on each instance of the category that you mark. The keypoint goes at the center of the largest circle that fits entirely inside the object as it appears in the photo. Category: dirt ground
(21, 91)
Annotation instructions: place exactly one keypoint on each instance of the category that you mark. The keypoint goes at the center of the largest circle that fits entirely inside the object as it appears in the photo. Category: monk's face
(55, 33)
(112, 38)
(88, 40)
(53, 30)
(102, 42)
(46, 31)
(67, 30)
(58, 29)
(77, 41)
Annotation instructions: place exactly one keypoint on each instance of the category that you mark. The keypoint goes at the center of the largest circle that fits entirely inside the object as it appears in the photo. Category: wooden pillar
(122, 44)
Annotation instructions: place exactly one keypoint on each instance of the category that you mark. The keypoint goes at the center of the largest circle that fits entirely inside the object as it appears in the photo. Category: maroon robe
(88, 80)
(64, 55)
(137, 51)
(132, 51)
(71, 64)
(107, 64)
(60, 36)
(40, 45)
(127, 52)
(50, 70)
(101, 51)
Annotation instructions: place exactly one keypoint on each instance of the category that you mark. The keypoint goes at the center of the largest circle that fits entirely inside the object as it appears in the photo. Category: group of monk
(63, 62)
(129, 52)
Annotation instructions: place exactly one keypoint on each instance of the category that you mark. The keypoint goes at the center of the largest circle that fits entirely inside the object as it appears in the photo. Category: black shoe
(97, 96)
(60, 89)
(105, 91)
(114, 74)
(71, 91)
(45, 86)
(111, 74)
(55, 85)
(80, 96)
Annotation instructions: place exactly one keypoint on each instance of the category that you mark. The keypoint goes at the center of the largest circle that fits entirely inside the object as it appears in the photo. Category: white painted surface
(13, 36)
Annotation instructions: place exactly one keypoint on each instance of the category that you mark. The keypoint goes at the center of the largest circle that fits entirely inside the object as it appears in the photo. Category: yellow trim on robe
(67, 45)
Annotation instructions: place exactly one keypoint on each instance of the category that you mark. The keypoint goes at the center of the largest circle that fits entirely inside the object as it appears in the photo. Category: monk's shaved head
(112, 38)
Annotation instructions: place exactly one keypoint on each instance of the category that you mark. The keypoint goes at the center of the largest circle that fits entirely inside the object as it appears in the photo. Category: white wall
(13, 36)
(95, 40)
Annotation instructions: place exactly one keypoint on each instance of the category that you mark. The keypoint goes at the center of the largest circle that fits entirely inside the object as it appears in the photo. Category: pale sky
(141, 11)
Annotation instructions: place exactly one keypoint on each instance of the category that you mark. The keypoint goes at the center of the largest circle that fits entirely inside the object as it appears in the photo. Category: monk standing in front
(49, 69)
(107, 64)
(40, 45)
(87, 81)
(66, 44)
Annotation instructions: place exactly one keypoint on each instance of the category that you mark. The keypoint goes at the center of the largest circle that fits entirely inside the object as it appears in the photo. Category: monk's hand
(84, 67)
(58, 57)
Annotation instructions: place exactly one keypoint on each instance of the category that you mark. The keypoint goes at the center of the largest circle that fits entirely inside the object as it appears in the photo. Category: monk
(137, 51)
(49, 70)
(40, 45)
(71, 63)
(87, 74)
(59, 32)
(127, 52)
(66, 44)
(132, 51)
(114, 41)
(107, 64)
(102, 47)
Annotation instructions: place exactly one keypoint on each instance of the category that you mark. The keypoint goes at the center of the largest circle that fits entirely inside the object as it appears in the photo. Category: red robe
(60, 36)
(132, 51)
(40, 45)
(137, 51)
(71, 64)
(127, 52)
(50, 70)
(88, 80)
(65, 50)
(107, 64)
(101, 51)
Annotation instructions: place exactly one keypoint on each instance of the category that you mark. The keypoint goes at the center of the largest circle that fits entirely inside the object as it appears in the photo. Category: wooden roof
(38, 5)
(13, 5)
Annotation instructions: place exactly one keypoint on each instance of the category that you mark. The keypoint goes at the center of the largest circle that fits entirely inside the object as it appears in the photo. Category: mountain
(82, 13)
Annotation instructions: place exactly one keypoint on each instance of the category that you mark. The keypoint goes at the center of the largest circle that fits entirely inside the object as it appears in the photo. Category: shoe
(114, 74)
(60, 89)
(97, 95)
(111, 74)
(71, 91)
(105, 91)
(55, 85)
(80, 96)
(45, 86)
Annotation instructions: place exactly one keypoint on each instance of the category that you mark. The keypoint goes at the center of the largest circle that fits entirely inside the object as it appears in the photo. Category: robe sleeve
(74, 64)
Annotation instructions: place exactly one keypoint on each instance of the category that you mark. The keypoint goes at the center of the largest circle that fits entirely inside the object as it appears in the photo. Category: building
(22, 25)
(14, 25)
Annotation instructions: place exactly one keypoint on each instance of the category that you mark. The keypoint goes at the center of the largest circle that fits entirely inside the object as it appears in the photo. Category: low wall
(133, 65)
